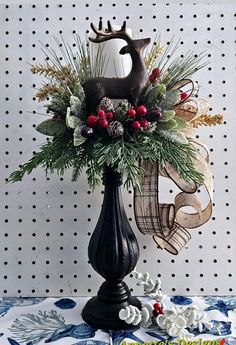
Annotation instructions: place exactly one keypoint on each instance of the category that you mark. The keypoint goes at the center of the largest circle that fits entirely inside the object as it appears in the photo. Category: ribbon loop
(167, 223)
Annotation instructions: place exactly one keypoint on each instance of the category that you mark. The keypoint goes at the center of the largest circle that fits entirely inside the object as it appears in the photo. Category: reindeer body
(129, 87)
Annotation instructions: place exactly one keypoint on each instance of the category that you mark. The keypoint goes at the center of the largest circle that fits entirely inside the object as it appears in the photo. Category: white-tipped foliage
(151, 288)
(133, 315)
(174, 321)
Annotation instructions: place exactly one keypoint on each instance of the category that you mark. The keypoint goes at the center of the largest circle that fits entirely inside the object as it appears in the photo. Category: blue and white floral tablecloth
(31, 321)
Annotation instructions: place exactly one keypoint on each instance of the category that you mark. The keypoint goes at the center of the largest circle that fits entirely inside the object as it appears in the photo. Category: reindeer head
(136, 45)
(129, 87)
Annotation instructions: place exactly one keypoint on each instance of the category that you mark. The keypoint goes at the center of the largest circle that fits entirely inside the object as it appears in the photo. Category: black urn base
(102, 311)
(113, 253)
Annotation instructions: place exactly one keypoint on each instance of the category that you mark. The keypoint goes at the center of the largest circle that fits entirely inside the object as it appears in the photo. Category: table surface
(31, 321)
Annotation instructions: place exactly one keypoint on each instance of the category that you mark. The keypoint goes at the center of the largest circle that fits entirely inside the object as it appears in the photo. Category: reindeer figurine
(129, 87)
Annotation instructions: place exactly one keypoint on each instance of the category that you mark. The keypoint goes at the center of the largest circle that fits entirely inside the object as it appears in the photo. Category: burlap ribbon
(167, 223)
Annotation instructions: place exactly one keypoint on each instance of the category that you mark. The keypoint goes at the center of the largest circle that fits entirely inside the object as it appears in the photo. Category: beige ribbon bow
(167, 223)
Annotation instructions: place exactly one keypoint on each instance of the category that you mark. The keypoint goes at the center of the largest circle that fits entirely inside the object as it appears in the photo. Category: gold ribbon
(167, 223)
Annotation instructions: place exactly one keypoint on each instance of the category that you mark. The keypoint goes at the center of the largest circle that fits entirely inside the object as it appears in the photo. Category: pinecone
(115, 129)
(106, 104)
(121, 111)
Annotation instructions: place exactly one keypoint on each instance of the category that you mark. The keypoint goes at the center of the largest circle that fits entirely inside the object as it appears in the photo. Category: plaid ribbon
(155, 218)
(167, 223)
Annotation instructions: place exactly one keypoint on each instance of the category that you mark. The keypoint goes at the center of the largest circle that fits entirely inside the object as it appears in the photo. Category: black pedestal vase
(113, 252)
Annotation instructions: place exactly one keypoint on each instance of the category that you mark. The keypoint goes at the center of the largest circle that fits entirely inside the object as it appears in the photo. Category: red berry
(109, 115)
(92, 121)
(131, 113)
(141, 110)
(103, 123)
(184, 95)
(101, 114)
(155, 74)
(160, 312)
(144, 123)
(157, 306)
(136, 125)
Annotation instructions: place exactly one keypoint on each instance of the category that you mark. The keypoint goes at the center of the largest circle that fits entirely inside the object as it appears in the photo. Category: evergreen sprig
(55, 155)
(182, 68)
(173, 69)
(59, 155)
(181, 157)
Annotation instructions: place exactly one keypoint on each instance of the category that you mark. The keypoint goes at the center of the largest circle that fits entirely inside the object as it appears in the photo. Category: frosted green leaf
(174, 136)
(181, 124)
(155, 95)
(172, 98)
(72, 121)
(54, 128)
(79, 92)
(167, 115)
(75, 105)
(78, 138)
(170, 124)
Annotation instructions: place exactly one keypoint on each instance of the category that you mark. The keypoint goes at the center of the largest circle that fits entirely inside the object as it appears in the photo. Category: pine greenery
(59, 155)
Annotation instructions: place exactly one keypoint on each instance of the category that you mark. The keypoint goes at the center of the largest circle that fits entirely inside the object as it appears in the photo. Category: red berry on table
(131, 113)
(109, 115)
(141, 110)
(92, 121)
(101, 114)
(157, 306)
(103, 123)
(184, 95)
(136, 125)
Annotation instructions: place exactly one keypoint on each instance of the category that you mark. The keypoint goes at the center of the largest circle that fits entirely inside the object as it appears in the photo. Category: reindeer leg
(132, 99)
(94, 92)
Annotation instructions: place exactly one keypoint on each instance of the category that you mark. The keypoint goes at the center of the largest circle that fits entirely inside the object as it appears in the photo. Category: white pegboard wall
(46, 223)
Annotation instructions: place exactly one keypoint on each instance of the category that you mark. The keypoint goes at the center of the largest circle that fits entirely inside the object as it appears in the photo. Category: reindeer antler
(109, 33)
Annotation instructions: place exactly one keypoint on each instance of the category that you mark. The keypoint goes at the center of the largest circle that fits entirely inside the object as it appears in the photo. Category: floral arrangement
(121, 135)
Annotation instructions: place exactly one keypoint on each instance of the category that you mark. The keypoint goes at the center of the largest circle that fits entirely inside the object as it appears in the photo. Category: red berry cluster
(101, 119)
(138, 116)
(158, 309)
